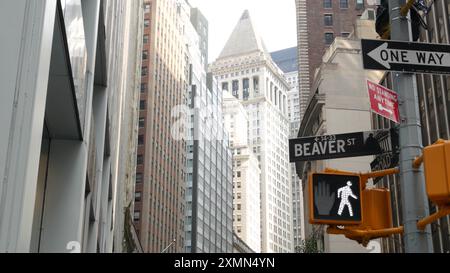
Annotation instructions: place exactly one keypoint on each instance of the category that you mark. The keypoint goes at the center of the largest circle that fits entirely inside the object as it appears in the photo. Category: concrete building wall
(64, 200)
(340, 105)
(311, 30)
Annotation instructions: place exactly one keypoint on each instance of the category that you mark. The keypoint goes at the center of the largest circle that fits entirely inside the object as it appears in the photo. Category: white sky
(275, 21)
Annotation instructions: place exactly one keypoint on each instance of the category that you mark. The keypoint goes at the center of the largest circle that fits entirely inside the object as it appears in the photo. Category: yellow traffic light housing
(375, 220)
(377, 209)
(436, 160)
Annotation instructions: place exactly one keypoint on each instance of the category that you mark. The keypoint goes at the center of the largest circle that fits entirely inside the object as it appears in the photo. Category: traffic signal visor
(436, 159)
(377, 209)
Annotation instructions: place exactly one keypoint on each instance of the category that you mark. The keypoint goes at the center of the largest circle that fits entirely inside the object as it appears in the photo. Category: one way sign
(406, 56)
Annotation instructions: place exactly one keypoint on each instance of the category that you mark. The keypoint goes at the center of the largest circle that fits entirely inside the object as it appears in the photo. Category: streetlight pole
(413, 196)
(167, 248)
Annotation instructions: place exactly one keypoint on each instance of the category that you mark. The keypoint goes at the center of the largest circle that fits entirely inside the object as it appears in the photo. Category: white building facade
(246, 175)
(287, 60)
(245, 69)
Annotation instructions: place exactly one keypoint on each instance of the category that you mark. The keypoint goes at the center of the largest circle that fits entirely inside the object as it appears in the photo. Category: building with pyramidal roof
(246, 70)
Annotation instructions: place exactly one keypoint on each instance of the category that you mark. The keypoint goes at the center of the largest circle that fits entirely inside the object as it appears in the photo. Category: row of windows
(343, 4)
(329, 37)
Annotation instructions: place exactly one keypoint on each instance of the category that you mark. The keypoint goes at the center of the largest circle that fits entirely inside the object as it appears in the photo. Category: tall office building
(318, 23)
(68, 102)
(201, 24)
(245, 69)
(161, 159)
(209, 184)
(434, 105)
(287, 60)
(246, 176)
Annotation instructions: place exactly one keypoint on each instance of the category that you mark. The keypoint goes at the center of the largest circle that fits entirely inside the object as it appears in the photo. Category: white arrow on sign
(386, 56)
(382, 108)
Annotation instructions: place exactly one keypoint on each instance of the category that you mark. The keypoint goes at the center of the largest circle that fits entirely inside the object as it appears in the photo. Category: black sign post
(406, 56)
(336, 146)
(335, 199)
(389, 143)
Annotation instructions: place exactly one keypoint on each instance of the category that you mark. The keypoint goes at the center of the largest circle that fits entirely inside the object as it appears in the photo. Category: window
(238, 174)
(141, 122)
(359, 4)
(144, 71)
(146, 23)
(256, 84)
(139, 177)
(138, 196)
(328, 19)
(137, 216)
(327, 4)
(224, 86)
(140, 160)
(235, 88)
(142, 105)
(345, 34)
(246, 86)
(238, 207)
(329, 37)
(145, 55)
(147, 8)
(141, 140)
(143, 87)
(343, 4)
(146, 39)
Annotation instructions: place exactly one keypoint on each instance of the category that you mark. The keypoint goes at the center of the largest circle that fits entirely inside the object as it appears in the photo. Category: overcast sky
(274, 19)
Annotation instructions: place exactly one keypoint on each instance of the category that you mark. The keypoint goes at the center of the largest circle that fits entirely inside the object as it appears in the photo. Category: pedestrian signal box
(335, 199)
(436, 159)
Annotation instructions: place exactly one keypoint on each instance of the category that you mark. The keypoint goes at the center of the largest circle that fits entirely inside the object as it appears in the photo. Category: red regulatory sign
(383, 101)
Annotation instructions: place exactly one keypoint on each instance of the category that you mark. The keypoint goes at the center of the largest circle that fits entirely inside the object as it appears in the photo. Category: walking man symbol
(344, 193)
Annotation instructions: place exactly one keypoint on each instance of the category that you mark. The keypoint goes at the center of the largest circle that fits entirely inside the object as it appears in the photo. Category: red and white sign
(383, 101)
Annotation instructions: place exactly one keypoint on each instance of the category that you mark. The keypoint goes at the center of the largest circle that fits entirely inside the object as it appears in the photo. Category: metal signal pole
(413, 196)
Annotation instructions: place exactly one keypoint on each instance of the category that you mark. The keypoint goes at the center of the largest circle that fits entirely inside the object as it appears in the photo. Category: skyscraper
(68, 103)
(246, 176)
(287, 60)
(209, 184)
(318, 23)
(245, 69)
(161, 159)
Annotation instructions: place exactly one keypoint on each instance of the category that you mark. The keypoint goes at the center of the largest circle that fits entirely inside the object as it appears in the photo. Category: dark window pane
(329, 38)
(327, 4)
(343, 4)
(328, 20)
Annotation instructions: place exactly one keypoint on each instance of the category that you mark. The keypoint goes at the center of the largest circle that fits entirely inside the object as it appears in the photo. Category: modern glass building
(209, 180)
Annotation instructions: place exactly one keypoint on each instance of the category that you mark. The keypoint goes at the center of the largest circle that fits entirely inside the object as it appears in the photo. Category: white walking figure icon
(344, 193)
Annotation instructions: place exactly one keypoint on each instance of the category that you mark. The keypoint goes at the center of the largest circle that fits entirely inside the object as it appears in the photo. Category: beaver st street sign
(335, 146)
